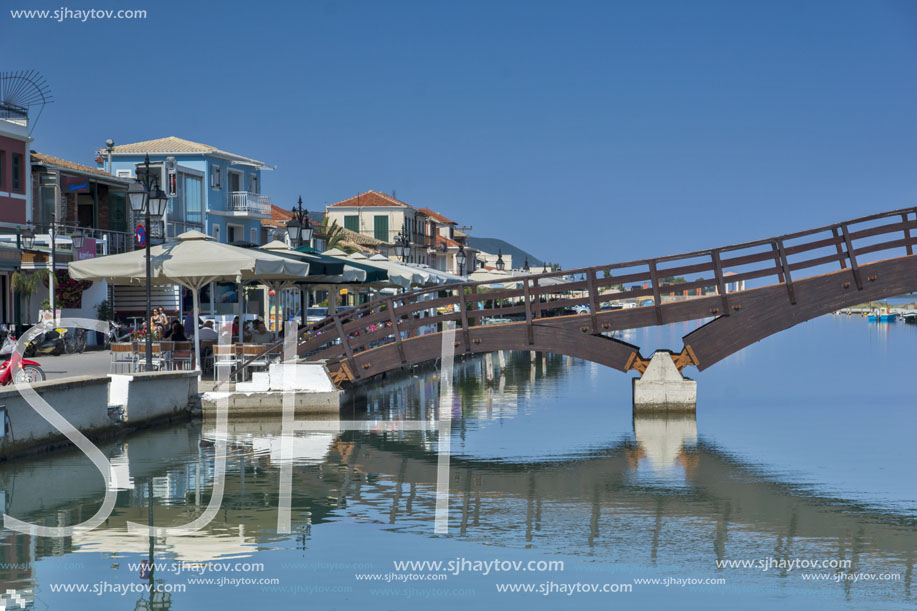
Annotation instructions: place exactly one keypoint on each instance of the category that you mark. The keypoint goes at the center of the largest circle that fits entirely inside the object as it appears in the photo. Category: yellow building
(384, 217)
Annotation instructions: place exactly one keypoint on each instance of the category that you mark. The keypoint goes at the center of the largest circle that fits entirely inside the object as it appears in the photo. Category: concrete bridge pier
(663, 388)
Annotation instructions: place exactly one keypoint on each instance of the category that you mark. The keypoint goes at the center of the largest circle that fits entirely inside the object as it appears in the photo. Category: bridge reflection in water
(659, 497)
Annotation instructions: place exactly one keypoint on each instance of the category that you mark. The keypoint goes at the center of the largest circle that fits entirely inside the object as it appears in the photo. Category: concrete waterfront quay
(308, 385)
(101, 405)
(97, 406)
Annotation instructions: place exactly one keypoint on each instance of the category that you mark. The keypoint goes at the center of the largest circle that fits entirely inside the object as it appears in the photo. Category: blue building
(212, 191)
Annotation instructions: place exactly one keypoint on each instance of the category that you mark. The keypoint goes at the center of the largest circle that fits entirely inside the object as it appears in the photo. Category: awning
(10, 258)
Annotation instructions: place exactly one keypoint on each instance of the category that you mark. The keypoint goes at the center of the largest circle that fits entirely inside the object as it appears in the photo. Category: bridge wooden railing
(396, 319)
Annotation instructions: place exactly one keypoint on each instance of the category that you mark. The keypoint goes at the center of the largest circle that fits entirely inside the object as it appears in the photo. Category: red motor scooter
(17, 368)
(24, 371)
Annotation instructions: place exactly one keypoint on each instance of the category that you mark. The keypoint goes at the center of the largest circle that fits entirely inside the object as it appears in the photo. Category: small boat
(882, 315)
(910, 318)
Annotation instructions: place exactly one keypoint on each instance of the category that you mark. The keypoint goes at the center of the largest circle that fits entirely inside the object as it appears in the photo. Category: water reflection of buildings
(662, 497)
(510, 393)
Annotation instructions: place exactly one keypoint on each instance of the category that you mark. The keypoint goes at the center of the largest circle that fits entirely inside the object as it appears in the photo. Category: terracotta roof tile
(369, 199)
(69, 165)
(437, 216)
(280, 216)
(359, 238)
(172, 144)
(444, 240)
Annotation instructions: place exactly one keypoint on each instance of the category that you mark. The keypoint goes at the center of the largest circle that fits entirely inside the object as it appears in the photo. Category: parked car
(314, 315)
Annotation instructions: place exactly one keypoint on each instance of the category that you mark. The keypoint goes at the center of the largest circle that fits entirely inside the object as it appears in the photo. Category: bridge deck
(847, 263)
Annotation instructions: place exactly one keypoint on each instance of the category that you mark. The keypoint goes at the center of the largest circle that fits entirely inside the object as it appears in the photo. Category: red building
(14, 170)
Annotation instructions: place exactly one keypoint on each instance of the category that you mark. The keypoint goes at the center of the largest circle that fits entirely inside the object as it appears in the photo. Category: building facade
(213, 191)
(15, 178)
(383, 217)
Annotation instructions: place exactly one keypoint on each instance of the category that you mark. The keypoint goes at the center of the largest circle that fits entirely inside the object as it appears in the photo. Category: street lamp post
(525, 266)
(148, 199)
(460, 258)
(402, 245)
(299, 229)
(500, 264)
(53, 275)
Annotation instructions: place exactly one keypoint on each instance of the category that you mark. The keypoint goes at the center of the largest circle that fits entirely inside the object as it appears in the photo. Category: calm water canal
(799, 465)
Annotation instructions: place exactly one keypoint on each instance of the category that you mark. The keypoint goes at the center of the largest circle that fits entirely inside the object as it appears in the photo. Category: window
(192, 187)
(254, 235)
(216, 177)
(235, 181)
(380, 227)
(352, 222)
(17, 173)
(124, 174)
(234, 233)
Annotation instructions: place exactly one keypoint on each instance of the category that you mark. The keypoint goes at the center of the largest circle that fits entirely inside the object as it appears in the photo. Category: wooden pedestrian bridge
(749, 291)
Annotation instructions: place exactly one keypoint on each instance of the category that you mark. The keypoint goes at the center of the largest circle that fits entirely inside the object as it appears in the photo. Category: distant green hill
(493, 245)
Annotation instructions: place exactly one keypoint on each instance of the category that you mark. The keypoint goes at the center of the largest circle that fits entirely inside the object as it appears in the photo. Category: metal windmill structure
(23, 92)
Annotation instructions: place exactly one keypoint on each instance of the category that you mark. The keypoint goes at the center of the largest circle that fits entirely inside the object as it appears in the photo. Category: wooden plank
(466, 330)
(720, 281)
(787, 278)
(657, 299)
(345, 342)
(840, 250)
(852, 257)
(528, 310)
(907, 234)
(593, 299)
(776, 255)
(390, 306)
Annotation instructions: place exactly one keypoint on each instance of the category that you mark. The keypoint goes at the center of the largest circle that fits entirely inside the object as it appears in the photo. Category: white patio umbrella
(395, 275)
(192, 261)
(413, 276)
(510, 279)
(446, 277)
(351, 274)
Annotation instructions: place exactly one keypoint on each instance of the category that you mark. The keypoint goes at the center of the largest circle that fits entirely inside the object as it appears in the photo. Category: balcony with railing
(98, 242)
(245, 203)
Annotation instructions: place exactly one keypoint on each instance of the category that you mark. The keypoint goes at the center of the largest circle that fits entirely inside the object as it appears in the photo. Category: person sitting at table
(161, 320)
(260, 335)
(188, 322)
(207, 333)
(176, 333)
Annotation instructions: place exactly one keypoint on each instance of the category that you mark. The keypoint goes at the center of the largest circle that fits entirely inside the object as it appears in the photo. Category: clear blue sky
(582, 132)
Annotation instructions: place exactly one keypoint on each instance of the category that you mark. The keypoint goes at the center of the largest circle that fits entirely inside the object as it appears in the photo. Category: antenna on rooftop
(20, 92)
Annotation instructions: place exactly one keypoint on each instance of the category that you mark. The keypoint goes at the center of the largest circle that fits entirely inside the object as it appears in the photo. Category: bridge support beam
(663, 388)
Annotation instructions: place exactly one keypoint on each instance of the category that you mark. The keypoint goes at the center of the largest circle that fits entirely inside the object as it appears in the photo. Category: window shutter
(380, 228)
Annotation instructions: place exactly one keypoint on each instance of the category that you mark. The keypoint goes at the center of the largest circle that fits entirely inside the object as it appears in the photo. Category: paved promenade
(69, 365)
